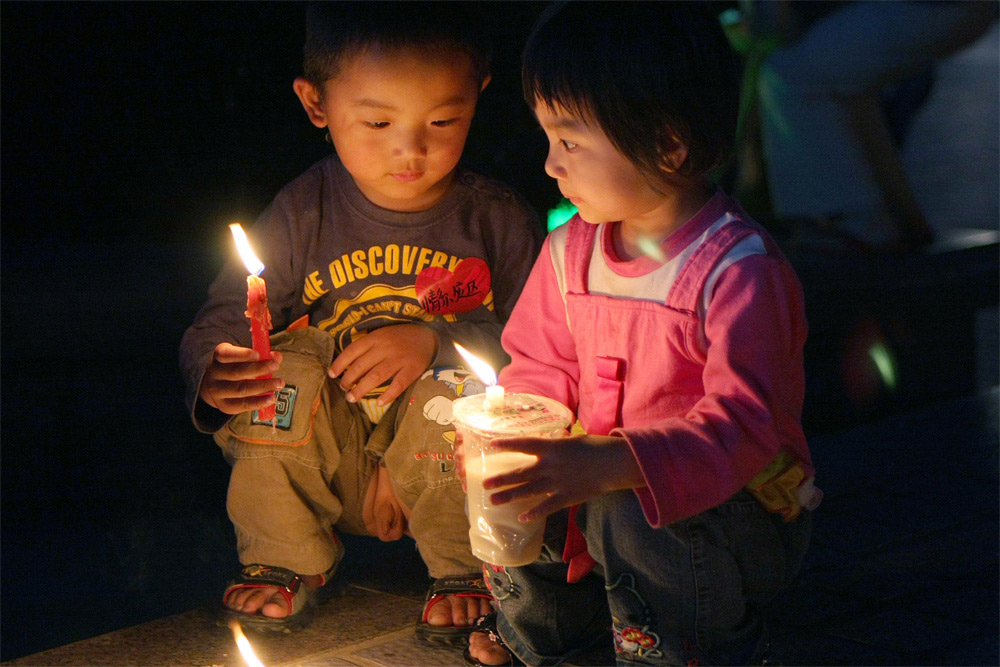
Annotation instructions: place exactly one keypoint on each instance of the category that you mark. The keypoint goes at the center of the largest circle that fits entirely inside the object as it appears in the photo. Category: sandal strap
(488, 625)
(258, 574)
(471, 584)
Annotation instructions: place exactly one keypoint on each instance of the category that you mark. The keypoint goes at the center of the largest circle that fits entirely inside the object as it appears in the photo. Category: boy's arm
(223, 318)
(754, 388)
(217, 321)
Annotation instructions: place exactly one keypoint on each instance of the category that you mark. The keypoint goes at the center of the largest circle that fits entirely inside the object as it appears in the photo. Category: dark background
(132, 134)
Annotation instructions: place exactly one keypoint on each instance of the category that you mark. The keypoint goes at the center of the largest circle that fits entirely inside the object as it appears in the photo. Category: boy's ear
(486, 82)
(311, 100)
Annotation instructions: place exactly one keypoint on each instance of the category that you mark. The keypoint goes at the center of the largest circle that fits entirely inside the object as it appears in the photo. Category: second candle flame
(494, 399)
(478, 366)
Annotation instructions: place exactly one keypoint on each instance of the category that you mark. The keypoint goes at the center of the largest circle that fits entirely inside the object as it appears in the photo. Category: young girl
(673, 327)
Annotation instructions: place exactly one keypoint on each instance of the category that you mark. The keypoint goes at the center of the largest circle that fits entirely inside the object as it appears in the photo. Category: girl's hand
(400, 352)
(569, 471)
(231, 383)
(459, 451)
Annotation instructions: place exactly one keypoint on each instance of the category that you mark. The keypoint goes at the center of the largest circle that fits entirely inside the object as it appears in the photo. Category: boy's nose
(412, 143)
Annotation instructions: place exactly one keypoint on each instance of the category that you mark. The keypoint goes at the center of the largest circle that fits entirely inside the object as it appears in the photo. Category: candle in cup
(257, 311)
(494, 397)
(494, 393)
(495, 534)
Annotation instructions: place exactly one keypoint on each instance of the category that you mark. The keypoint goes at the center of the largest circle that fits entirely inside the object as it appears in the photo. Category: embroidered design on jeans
(499, 583)
(634, 635)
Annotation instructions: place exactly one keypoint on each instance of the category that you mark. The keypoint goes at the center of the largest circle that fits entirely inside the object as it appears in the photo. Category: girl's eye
(568, 145)
(376, 125)
(444, 123)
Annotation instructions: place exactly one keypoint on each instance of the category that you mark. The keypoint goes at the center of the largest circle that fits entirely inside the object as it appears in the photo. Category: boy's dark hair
(336, 31)
(641, 71)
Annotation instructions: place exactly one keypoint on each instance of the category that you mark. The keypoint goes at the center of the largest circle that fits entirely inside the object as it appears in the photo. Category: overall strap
(579, 245)
(687, 289)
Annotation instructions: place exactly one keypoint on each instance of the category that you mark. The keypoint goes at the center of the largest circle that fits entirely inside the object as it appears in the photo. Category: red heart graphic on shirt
(443, 292)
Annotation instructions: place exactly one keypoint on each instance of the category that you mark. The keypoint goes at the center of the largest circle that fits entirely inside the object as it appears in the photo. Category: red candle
(260, 316)
(260, 327)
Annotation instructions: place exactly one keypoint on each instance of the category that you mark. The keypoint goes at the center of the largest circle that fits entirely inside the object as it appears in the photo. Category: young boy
(393, 252)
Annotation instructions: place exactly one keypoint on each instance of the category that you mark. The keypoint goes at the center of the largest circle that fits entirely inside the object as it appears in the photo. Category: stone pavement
(902, 569)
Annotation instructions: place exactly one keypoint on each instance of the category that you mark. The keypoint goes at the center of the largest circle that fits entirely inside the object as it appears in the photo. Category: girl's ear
(673, 152)
(311, 100)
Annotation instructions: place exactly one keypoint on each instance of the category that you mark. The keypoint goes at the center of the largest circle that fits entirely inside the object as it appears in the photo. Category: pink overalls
(706, 399)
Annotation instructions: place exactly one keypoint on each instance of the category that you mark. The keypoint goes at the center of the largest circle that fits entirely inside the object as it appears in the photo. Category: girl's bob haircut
(648, 74)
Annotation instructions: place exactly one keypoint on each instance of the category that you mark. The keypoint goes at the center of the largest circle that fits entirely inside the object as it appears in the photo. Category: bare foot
(267, 601)
(487, 651)
(458, 611)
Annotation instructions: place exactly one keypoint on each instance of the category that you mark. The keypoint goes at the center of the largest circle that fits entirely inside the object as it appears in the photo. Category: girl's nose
(553, 167)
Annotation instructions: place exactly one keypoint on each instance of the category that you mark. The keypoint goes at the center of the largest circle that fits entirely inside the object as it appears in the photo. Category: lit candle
(243, 645)
(494, 392)
(260, 316)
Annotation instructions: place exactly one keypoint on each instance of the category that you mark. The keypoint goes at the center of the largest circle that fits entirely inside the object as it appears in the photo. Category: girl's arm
(538, 340)
(754, 388)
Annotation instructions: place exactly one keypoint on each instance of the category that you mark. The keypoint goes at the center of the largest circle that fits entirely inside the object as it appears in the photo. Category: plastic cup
(495, 534)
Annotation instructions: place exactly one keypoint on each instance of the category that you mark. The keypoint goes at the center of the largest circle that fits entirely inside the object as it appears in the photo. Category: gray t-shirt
(352, 266)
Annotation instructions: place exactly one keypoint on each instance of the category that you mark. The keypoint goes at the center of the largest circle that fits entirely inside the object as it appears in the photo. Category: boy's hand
(230, 383)
(569, 471)
(400, 351)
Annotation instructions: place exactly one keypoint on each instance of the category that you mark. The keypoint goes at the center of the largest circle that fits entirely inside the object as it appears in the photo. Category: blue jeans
(693, 590)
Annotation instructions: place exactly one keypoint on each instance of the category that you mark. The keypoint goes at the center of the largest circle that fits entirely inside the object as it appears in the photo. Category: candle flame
(243, 644)
(479, 367)
(254, 265)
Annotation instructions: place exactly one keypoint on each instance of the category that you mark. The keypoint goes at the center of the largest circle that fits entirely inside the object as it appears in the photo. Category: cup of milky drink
(495, 533)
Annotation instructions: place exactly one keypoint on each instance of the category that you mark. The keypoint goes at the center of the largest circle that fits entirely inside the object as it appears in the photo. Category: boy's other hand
(231, 383)
(401, 352)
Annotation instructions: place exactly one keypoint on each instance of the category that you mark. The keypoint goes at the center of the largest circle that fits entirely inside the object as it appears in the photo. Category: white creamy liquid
(495, 533)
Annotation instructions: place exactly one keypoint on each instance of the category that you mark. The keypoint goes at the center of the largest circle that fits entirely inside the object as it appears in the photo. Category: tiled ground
(902, 570)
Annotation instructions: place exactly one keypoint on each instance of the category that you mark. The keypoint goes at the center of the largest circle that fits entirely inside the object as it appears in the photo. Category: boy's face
(591, 172)
(398, 120)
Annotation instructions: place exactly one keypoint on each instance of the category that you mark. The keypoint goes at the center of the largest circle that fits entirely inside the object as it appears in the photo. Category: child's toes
(483, 607)
(486, 651)
(275, 606)
(440, 614)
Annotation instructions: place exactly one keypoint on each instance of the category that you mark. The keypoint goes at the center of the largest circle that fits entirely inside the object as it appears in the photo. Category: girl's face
(601, 182)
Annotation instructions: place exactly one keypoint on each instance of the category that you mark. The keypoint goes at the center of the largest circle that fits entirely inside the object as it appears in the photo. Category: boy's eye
(375, 125)
(568, 145)
(444, 123)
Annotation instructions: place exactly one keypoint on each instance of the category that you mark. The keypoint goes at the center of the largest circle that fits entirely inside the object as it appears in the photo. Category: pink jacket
(696, 361)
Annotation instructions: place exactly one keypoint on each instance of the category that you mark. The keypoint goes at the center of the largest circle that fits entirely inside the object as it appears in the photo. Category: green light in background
(561, 214)
(885, 363)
